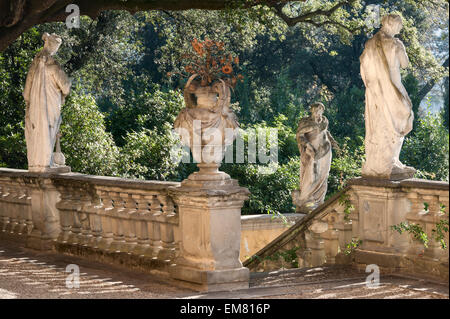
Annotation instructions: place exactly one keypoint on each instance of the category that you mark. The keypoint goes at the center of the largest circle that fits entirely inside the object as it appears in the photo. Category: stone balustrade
(188, 231)
(381, 204)
(117, 217)
(15, 207)
(105, 217)
(355, 227)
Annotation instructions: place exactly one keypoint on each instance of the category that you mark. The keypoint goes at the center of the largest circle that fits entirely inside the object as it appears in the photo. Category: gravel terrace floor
(26, 273)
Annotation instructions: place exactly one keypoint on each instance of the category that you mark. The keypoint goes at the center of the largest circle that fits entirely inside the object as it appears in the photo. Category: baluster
(129, 215)
(65, 214)
(5, 208)
(167, 230)
(23, 211)
(117, 223)
(29, 213)
(95, 220)
(86, 234)
(75, 206)
(155, 233)
(143, 219)
(434, 250)
(106, 220)
(331, 237)
(12, 210)
(414, 246)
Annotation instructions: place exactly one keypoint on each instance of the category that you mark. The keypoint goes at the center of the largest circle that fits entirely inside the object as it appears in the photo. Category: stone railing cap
(92, 179)
(409, 183)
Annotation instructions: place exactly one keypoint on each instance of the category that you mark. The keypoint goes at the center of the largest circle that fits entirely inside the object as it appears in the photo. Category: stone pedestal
(45, 215)
(383, 203)
(54, 169)
(209, 206)
(316, 244)
(304, 208)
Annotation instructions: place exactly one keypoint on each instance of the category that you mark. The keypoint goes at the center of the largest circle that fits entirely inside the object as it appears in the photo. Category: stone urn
(209, 202)
(207, 126)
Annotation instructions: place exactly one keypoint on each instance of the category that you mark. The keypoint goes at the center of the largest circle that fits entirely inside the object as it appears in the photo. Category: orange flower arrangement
(210, 62)
(227, 69)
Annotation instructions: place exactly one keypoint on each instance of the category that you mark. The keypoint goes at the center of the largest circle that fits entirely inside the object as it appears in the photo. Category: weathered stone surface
(314, 143)
(388, 114)
(259, 230)
(210, 228)
(369, 209)
(207, 124)
(45, 90)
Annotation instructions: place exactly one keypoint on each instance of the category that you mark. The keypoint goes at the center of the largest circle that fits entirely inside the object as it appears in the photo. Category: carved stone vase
(207, 126)
(209, 202)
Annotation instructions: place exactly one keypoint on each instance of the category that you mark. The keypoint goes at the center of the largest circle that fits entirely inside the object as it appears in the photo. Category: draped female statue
(45, 90)
(314, 143)
(388, 114)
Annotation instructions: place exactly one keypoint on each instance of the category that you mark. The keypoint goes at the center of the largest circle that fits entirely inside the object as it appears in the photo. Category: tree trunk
(17, 16)
(429, 85)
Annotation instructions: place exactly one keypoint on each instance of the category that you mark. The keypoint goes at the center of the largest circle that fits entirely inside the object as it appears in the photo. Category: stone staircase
(353, 228)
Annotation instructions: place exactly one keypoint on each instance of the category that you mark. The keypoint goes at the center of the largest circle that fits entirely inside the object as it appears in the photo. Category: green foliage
(148, 155)
(411, 84)
(117, 119)
(441, 228)
(445, 110)
(288, 256)
(346, 116)
(145, 105)
(437, 233)
(270, 184)
(280, 216)
(415, 230)
(12, 146)
(87, 146)
(427, 148)
(270, 187)
(14, 62)
(346, 164)
(352, 246)
(344, 200)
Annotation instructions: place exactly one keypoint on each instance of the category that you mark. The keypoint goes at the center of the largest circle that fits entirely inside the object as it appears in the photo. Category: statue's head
(317, 109)
(391, 24)
(52, 42)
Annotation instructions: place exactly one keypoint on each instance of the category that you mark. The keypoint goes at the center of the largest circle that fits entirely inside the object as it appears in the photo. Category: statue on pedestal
(45, 90)
(314, 143)
(388, 115)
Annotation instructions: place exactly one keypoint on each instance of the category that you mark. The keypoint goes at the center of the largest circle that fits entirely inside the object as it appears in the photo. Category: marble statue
(45, 90)
(388, 114)
(314, 143)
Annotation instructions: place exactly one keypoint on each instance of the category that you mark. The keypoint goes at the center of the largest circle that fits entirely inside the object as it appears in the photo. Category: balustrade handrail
(94, 179)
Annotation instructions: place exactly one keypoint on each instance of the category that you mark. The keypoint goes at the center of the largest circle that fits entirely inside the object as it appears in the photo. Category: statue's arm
(62, 80)
(401, 53)
(26, 92)
(302, 130)
(28, 83)
(303, 143)
(333, 141)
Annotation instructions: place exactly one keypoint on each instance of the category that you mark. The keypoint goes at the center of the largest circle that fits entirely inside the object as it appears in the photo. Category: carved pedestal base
(379, 205)
(45, 216)
(304, 208)
(396, 174)
(53, 169)
(209, 205)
